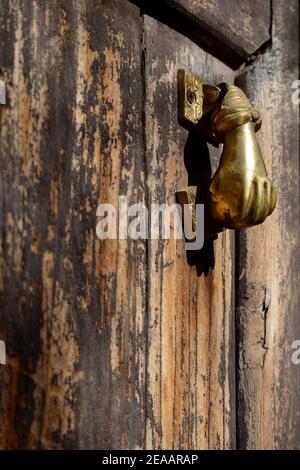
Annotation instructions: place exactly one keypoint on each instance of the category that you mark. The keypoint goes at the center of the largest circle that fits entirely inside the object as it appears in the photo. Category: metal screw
(191, 96)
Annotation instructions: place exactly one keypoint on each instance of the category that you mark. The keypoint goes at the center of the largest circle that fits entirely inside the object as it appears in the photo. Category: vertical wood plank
(268, 265)
(72, 307)
(190, 385)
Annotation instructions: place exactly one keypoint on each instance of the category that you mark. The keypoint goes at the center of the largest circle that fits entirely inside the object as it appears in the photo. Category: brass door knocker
(240, 192)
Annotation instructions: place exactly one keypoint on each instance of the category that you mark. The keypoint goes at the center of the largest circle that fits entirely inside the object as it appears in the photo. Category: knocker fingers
(258, 202)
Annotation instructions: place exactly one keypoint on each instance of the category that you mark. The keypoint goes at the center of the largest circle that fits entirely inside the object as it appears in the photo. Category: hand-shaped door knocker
(240, 192)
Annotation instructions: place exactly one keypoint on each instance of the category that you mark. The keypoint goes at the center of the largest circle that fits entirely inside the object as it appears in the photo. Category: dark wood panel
(73, 308)
(269, 258)
(190, 371)
(231, 30)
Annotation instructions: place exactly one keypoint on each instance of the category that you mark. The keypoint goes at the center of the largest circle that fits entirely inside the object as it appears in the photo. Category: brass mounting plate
(195, 98)
(187, 196)
(190, 98)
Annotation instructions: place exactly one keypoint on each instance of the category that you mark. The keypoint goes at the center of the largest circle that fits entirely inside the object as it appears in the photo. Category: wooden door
(129, 343)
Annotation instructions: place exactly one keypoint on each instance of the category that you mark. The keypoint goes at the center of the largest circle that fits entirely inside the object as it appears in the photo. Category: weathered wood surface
(231, 30)
(114, 344)
(73, 308)
(127, 344)
(190, 371)
(111, 344)
(268, 266)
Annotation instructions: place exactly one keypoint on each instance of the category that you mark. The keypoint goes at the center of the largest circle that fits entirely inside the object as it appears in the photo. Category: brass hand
(241, 194)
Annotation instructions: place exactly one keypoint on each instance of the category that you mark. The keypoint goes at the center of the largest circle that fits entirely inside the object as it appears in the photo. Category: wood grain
(268, 264)
(190, 384)
(230, 30)
(112, 344)
(119, 344)
(73, 308)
